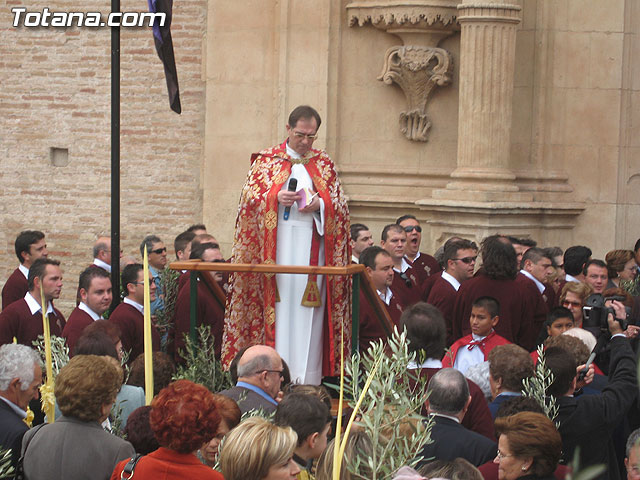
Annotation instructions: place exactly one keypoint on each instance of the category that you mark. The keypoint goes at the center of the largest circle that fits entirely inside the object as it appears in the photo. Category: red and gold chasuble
(250, 313)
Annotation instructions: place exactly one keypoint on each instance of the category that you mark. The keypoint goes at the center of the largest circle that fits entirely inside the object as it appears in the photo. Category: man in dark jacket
(587, 421)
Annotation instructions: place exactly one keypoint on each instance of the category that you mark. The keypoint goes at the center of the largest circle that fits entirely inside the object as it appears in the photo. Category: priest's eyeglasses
(311, 138)
(466, 260)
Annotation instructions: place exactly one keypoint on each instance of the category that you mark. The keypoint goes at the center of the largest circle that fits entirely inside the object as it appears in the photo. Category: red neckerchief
(480, 343)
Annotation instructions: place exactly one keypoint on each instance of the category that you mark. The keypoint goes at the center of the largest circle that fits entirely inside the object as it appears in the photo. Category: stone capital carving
(417, 70)
(399, 12)
(417, 66)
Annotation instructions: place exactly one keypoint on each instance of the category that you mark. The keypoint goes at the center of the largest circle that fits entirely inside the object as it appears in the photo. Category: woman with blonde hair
(259, 450)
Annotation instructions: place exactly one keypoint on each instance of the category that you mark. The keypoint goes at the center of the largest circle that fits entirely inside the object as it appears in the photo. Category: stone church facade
(513, 117)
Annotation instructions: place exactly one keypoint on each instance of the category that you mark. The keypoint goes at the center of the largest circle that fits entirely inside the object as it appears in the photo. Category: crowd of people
(528, 353)
(474, 329)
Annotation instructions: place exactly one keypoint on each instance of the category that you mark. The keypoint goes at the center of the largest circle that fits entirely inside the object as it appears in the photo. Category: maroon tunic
(424, 266)
(427, 285)
(15, 289)
(540, 309)
(185, 278)
(478, 417)
(131, 323)
(370, 329)
(443, 296)
(17, 321)
(516, 309)
(549, 296)
(78, 321)
(208, 312)
(407, 291)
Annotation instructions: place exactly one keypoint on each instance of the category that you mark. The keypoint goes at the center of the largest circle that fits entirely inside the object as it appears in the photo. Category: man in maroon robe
(379, 266)
(424, 265)
(129, 315)
(536, 266)
(208, 311)
(360, 239)
(496, 279)
(95, 298)
(30, 245)
(22, 319)
(460, 258)
(405, 283)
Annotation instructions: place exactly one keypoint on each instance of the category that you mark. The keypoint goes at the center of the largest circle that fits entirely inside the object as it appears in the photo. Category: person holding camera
(588, 421)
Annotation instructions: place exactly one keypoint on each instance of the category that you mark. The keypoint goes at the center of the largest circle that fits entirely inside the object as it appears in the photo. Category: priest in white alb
(292, 222)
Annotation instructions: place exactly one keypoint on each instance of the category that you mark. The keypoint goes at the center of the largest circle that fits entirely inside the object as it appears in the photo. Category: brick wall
(55, 92)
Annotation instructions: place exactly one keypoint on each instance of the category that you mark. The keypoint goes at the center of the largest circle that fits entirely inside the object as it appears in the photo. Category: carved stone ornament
(417, 70)
(418, 65)
(386, 13)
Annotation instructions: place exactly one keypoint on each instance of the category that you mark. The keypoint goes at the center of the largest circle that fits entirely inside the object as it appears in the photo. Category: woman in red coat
(183, 417)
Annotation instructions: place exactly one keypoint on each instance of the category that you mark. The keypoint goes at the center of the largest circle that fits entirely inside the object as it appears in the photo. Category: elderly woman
(573, 296)
(76, 446)
(259, 450)
(106, 341)
(183, 417)
(621, 265)
(529, 447)
(229, 417)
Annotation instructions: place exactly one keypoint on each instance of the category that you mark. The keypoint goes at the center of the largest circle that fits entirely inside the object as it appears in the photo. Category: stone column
(487, 65)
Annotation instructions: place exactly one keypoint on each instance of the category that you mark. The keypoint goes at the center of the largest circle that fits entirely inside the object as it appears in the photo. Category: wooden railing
(360, 280)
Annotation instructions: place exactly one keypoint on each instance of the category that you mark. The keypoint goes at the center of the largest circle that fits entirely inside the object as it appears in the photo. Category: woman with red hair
(183, 417)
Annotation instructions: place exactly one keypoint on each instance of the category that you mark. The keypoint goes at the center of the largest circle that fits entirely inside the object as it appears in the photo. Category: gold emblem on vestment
(271, 219)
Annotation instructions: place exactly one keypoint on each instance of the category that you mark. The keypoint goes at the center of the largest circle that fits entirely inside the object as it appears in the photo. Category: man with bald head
(102, 253)
(259, 380)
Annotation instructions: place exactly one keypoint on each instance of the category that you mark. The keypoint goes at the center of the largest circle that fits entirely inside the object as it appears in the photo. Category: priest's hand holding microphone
(289, 197)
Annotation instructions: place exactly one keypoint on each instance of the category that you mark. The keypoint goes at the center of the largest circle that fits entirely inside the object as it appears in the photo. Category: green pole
(193, 303)
(355, 311)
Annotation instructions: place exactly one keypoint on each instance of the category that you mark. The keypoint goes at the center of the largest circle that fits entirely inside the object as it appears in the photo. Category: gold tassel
(29, 418)
(311, 297)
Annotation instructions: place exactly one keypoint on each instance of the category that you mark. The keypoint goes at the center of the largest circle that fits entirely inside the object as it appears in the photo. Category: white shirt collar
(538, 283)
(405, 265)
(387, 295)
(477, 338)
(24, 270)
(355, 259)
(451, 279)
(428, 363)
(291, 152)
(99, 263)
(85, 308)
(34, 305)
(455, 419)
(570, 278)
(414, 258)
(134, 304)
(15, 407)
